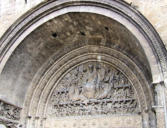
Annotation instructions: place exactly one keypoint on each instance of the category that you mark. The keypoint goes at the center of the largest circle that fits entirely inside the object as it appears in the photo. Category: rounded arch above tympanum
(36, 87)
(102, 60)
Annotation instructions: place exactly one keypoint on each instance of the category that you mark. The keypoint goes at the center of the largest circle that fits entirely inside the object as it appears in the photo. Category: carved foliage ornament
(93, 88)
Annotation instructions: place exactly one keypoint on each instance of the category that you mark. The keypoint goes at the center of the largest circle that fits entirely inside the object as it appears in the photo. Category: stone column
(159, 105)
(145, 119)
(149, 119)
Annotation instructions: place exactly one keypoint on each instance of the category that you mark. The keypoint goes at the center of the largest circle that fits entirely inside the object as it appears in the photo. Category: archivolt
(45, 82)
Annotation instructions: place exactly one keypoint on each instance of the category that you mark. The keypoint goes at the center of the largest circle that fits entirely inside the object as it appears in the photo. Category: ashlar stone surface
(133, 121)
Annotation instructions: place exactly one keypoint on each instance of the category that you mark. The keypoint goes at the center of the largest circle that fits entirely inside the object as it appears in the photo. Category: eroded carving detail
(9, 111)
(9, 124)
(93, 88)
(9, 115)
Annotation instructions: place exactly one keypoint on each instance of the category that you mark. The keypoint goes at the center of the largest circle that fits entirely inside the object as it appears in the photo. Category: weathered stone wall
(11, 10)
(153, 10)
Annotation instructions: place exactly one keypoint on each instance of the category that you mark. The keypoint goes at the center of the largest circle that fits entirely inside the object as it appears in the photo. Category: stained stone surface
(103, 96)
(153, 10)
(55, 38)
(92, 95)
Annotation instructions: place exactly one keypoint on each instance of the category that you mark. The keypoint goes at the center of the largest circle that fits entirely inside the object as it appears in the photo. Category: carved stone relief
(93, 88)
(9, 124)
(9, 111)
(9, 115)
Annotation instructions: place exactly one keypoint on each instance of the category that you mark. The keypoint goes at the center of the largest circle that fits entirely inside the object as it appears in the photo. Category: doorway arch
(119, 11)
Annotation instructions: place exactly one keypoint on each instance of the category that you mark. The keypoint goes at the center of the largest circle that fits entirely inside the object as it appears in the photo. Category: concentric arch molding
(49, 76)
(117, 10)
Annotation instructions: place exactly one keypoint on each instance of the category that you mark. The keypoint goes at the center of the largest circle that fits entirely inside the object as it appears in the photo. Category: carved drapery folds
(9, 115)
(93, 88)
